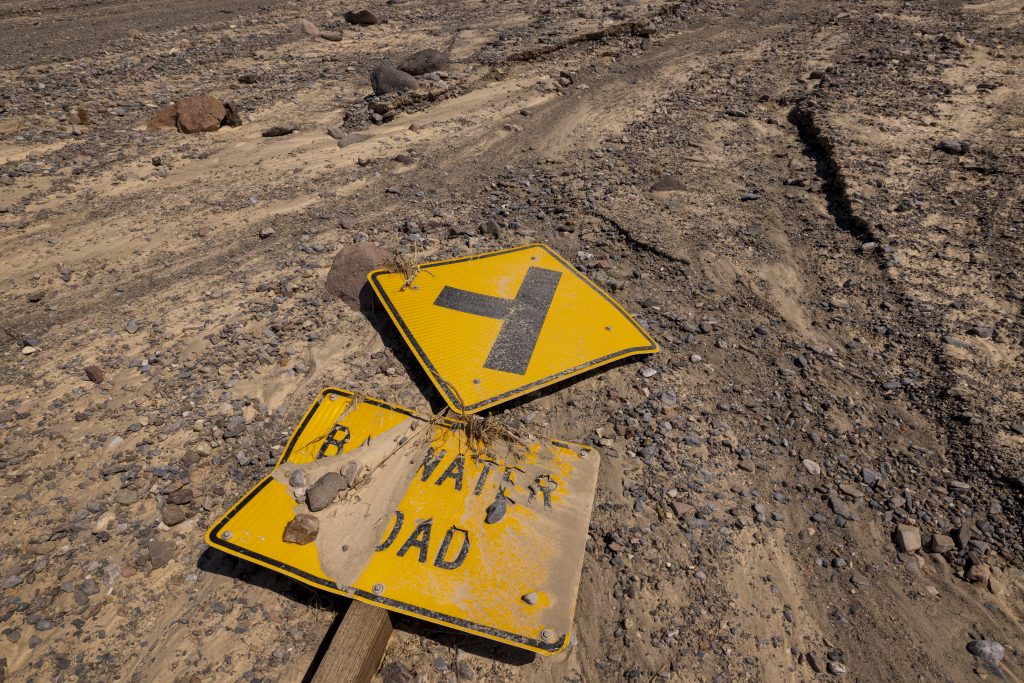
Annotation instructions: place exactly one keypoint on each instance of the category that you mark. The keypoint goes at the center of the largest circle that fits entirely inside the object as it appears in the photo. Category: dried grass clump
(401, 265)
(484, 433)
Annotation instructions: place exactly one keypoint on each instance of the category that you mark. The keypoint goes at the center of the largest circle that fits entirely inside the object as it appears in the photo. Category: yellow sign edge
(450, 397)
(213, 540)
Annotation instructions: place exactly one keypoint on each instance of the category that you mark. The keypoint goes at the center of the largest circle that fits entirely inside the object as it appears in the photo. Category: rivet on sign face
(334, 397)
(226, 535)
(547, 635)
(476, 381)
(608, 327)
(378, 588)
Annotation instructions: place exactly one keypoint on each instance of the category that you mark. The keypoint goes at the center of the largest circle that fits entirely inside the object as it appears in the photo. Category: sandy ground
(833, 276)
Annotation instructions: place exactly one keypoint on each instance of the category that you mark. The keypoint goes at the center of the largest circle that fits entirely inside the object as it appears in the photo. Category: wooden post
(357, 646)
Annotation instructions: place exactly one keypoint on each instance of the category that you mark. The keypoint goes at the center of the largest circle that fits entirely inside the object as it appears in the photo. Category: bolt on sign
(491, 327)
(421, 518)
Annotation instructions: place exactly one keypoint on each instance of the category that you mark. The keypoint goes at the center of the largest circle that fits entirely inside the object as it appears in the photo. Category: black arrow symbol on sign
(523, 316)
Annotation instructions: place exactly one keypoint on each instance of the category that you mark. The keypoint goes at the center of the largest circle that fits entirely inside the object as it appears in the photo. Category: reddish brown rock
(347, 277)
(200, 114)
(165, 117)
(301, 530)
(94, 373)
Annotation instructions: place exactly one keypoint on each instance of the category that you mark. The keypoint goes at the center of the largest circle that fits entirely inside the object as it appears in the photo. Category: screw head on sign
(547, 635)
(334, 397)
(378, 588)
(476, 381)
(226, 535)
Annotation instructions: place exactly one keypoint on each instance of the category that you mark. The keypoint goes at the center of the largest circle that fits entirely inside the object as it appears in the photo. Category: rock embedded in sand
(668, 183)
(908, 538)
(986, 650)
(161, 552)
(423, 61)
(278, 131)
(979, 572)
(942, 543)
(94, 373)
(126, 497)
(396, 672)
(322, 493)
(174, 514)
(386, 79)
(811, 467)
(347, 278)
(952, 146)
(363, 17)
(302, 529)
(201, 114)
(307, 27)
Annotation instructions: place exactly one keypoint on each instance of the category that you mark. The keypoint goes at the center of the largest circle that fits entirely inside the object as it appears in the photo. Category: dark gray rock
(364, 17)
(322, 493)
(953, 146)
(278, 131)
(386, 79)
(424, 61)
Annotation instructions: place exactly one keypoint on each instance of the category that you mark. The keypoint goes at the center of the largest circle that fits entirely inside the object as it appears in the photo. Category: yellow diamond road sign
(488, 540)
(491, 327)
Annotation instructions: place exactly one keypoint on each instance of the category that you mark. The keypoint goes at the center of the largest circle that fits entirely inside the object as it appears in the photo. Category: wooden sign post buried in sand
(457, 522)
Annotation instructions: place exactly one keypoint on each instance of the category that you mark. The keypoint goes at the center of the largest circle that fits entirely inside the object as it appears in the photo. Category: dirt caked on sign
(425, 521)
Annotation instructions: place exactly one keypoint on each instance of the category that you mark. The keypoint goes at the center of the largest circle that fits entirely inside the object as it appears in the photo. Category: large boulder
(347, 277)
(386, 79)
(423, 62)
(200, 114)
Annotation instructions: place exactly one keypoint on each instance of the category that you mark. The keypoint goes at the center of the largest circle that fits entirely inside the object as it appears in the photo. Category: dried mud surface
(834, 278)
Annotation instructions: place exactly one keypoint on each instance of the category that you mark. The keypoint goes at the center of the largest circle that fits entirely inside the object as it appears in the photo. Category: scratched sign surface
(491, 327)
(489, 541)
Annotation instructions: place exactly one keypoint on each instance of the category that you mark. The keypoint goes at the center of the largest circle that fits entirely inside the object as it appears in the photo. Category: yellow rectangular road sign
(486, 541)
(494, 326)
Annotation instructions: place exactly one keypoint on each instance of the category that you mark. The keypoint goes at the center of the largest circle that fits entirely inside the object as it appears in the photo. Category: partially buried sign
(414, 515)
(494, 326)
